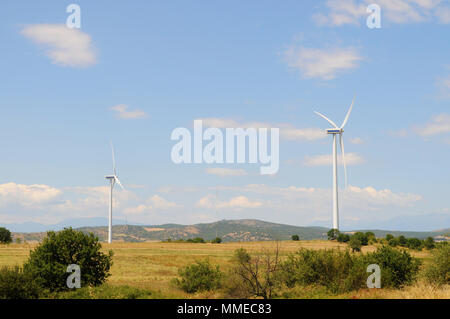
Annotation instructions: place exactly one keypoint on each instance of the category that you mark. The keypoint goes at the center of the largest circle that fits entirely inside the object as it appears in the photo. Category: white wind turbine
(112, 180)
(337, 131)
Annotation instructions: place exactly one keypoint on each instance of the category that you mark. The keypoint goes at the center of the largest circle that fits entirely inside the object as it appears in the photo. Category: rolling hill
(228, 230)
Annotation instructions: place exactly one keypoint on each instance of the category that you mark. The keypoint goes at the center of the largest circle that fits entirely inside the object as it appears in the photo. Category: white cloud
(443, 15)
(287, 131)
(439, 124)
(341, 12)
(237, 202)
(350, 12)
(122, 111)
(27, 195)
(323, 64)
(64, 46)
(327, 159)
(356, 140)
(223, 172)
(154, 203)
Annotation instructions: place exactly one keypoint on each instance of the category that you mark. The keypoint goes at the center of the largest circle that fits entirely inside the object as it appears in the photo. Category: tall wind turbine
(112, 180)
(337, 131)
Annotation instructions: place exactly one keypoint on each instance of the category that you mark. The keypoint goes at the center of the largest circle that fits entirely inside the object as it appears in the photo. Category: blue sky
(134, 72)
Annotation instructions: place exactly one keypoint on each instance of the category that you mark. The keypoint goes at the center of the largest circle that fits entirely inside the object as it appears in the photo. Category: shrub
(295, 237)
(200, 276)
(333, 234)
(17, 284)
(5, 236)
(48, 262)
(355, 244)
(196, 240)
(336, 270)
(402, 241)
(398, 268)
(429, 243)
(389, 237)
(260, 274)
(438, 272)
(414, 243)
(343, 238)
(393, 242)
(216, 240)
(362, 238)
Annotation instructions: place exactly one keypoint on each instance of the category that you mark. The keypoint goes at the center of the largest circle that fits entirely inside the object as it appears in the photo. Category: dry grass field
(152, 265)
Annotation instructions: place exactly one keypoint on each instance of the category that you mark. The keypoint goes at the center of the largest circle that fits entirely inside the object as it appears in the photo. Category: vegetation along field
(164, 270)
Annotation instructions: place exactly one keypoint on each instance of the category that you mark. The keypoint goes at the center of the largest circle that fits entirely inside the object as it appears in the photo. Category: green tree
(295, 237)
(402, 241)
(393, 242)
(355, 244)
(429, 243)
(333, 234)
(414, 243)
(362, 238)
(216, 240)
(343, 238)
(5, 236)
(48, 262)
(200, 276)
(389, 237)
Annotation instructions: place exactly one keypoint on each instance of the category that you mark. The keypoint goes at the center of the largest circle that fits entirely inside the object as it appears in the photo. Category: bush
(336, 270)
(48, 262)
(17, 284)
(196, 240)
(398, 268)
(438, 272)
(389, 237)
(363, 239)
(429, 243)
(216, 240)
(333, 234)
(295, 237)
(393, 242)
(200, 276)
(259, 274)
(355, 244)
(343, 238)
(5, 236)
(414, 243)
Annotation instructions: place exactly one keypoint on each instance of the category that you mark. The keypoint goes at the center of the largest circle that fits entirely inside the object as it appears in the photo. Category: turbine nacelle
(335, 131)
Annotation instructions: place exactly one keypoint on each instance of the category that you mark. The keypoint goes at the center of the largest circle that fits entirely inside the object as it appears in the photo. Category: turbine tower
(337, 131)
(112, 180)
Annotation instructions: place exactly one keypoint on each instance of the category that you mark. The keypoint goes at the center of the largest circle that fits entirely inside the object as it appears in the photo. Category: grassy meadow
(152, 266)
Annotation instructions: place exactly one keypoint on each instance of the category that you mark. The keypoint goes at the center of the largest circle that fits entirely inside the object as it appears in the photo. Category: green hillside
(228, 230)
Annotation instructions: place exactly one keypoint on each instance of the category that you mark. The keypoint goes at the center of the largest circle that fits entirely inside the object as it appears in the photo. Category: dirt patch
(153, 229)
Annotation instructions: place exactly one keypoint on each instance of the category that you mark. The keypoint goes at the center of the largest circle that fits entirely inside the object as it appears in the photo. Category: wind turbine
(112, 180)
(337, 131)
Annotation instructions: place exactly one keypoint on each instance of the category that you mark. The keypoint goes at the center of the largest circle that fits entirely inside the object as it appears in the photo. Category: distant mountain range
(228, 230)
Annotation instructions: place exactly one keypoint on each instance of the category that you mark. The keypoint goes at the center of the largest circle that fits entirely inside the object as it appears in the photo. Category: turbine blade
(327, 119)
(348, 113)
(113, 157)
(118, 182)
(341, 141)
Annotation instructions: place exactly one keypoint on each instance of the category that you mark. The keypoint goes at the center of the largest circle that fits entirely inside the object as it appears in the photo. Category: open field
(152, 265)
